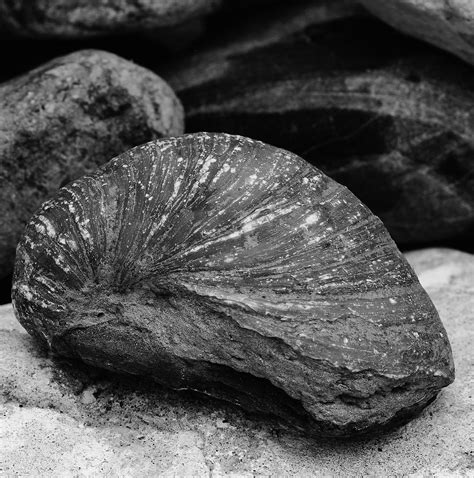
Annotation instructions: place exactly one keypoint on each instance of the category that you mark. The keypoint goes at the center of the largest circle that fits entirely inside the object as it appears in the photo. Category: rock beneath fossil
(64, 119)
(387, 116)
(223, 265)
(133, 427)
(83, 18)
(446, 24)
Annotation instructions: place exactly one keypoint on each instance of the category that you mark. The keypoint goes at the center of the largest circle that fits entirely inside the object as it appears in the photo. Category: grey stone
(66, 118)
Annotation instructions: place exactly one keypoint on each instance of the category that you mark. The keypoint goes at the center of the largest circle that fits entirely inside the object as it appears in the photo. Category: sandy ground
(59, 419)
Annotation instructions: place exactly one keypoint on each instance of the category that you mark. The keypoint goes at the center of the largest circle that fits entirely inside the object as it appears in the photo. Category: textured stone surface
(388, 116)
(223, 265)
(80, 18)
(59, 419)
(64, 119)
(448, 24)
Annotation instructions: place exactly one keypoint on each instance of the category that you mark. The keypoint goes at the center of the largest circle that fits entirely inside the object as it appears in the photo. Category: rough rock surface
(64, 119)
(59, 419)
(387, 116)
(80, 18)
(219, 264)
(448, 24)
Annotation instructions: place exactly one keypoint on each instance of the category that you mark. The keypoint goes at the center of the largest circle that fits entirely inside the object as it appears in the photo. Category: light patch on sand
(438, 276)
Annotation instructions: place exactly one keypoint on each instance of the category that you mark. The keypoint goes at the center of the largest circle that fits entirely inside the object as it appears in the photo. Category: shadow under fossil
(142, 416)
(103, 394)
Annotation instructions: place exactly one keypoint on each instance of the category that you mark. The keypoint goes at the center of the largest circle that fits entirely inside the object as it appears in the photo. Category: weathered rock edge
(79, 18)
(64, 119)
(389, 117)
(448, 25)
(223, 265)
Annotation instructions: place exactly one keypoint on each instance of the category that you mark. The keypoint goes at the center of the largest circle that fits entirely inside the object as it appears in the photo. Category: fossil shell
(224, 265)
(447, 24)
(64, 119)
(389, 117)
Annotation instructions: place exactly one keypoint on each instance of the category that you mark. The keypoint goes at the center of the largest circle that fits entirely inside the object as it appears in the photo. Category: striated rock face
(223, 265)
(83, 18)
(387, 116)
(446, 24)
(64, 119)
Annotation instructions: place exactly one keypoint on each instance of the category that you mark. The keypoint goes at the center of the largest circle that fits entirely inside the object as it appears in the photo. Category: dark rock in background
(5, 288)
(147, 47)
(386, 115)
(177, 38)
(63, 120)
(84, 18)
(448, 24)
